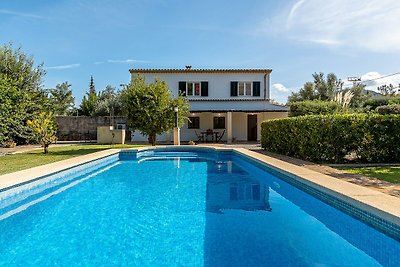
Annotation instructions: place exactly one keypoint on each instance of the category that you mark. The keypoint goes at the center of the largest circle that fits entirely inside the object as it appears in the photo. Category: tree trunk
(152, 139)
(46, 148)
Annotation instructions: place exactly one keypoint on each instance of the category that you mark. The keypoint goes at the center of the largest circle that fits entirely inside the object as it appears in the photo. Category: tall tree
(150, 107)
(88, 105)
(61, 99)
(90, 101)
(21, 95)
(109, 102)
(320, 88)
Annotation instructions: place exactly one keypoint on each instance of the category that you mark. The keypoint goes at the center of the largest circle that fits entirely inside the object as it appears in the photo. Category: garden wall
(335, 138)
(80, 128)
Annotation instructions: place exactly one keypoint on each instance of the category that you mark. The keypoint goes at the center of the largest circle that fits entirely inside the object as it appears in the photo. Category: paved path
(373, 183)
(25, 148)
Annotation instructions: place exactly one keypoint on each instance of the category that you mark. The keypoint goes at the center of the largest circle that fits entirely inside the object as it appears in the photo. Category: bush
(389, 109)
(373, 103)
(313, 107)
(330, 138)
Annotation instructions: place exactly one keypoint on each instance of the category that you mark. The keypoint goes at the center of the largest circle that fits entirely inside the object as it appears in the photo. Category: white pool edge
(372, 201)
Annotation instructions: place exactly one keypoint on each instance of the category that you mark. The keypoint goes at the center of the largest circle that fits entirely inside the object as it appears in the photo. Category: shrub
(330, 138)
(373, 103)
(389, 109)
(313, 107)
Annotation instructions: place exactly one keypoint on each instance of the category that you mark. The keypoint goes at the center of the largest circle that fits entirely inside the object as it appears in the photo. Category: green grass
(386, 173)
(21, 161)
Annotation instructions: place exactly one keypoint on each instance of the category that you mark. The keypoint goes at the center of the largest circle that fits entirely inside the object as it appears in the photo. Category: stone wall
(83, 127)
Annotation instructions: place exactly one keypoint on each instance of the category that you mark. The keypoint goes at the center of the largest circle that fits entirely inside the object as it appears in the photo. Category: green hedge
(313, 107)
(330, 138)
(389, 109)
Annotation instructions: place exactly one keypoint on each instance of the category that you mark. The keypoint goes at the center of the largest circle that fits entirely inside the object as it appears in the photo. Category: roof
(190, 70)
(235, 106)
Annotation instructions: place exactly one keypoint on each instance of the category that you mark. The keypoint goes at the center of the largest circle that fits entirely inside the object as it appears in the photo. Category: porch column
(229, 127)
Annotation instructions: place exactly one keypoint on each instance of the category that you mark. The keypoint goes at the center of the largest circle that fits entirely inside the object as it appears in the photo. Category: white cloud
(126, 61)
(280, 87)
(19, 14)
(374, 79)
(368, 24)
(62, 67)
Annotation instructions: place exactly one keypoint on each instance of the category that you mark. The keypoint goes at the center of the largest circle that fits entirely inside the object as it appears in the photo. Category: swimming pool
(180, 208)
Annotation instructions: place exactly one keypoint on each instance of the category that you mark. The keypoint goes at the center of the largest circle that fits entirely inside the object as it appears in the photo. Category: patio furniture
(219, 136)
(200, 136)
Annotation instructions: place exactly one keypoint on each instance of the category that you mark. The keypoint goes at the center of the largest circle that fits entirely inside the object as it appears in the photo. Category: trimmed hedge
(313, 107)
(389, 109)
(330, 138)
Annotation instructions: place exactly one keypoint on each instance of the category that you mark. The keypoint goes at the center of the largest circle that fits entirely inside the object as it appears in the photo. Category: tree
(44, 128)
(109, 102)
(150, 107)
(21, 94)
(88, 105)
(61, 99)
(320, 88)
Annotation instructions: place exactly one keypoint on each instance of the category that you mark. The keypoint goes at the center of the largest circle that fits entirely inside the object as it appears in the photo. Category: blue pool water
(180, 209)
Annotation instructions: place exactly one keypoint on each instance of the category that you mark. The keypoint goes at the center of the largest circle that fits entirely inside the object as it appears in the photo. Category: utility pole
(355, 80)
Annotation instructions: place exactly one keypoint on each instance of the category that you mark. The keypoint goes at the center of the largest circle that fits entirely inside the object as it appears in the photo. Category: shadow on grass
(70, 152)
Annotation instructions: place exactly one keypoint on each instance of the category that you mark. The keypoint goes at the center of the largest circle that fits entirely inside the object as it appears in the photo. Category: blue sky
(295, 38)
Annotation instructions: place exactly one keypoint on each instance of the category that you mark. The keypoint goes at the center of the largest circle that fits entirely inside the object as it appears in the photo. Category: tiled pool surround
(372, 207)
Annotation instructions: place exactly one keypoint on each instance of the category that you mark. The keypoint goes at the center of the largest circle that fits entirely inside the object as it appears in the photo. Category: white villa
(229, 102)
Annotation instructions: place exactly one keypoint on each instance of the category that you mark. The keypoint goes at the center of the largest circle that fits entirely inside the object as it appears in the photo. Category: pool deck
(373, 201)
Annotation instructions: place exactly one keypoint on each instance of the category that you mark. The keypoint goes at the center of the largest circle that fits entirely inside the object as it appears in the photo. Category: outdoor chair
(200, 137)
(220, 136)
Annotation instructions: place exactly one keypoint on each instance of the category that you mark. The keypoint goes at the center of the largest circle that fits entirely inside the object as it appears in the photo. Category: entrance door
(251, 127)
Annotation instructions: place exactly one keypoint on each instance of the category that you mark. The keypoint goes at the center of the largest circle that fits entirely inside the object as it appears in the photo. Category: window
(193, 88)
(193, 122)
(245, 88)
(219, 122)
(189, 90)
(121, 126)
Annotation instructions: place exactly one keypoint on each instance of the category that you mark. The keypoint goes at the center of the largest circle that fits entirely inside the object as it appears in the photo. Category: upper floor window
(245, 88)
(193, 123)
(193, 88)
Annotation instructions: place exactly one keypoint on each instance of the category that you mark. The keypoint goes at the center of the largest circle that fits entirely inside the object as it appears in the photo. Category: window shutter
(256, 88)
(182, 88)
(204, 88)
(234, 91)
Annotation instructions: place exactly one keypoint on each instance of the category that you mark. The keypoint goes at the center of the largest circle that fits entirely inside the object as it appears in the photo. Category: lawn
(386, 173)
(17, 162)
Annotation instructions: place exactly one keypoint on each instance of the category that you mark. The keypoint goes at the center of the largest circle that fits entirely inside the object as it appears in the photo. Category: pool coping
(372, 201)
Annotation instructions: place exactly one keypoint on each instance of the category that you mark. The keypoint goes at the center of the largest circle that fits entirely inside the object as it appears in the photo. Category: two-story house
(231, 102)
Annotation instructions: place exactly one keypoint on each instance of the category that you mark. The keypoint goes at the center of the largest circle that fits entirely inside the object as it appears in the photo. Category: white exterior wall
(219, 88)
(268, 116)
(219, 84)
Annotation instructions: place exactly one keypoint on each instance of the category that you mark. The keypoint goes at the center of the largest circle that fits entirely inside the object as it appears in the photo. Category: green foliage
(89, 104)
(106, 103)
(44, 128)
(320, 88)
(109, 102)
(17, 66)
(389, 109)
(61, 99)
(330, 138)
(150, 107)
(313, 107)
(373, 103)
(21, 95)
(325, 89)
